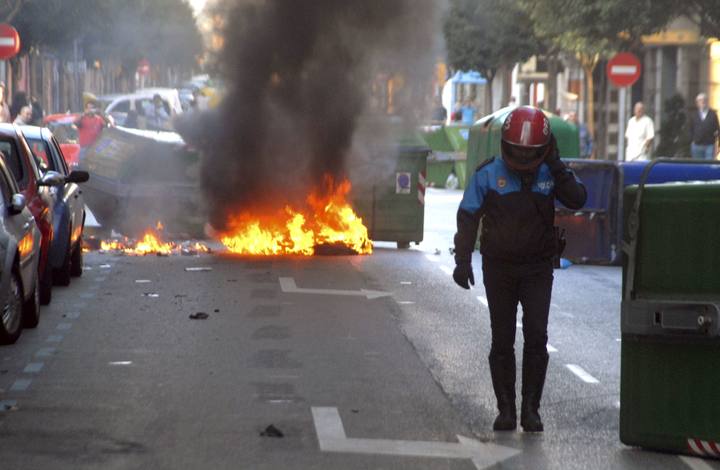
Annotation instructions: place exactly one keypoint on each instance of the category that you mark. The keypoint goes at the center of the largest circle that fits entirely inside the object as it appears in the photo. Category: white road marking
(34, 367)
(482, 300)
(332, 438)
(551, 348)
(64, 326)
(8, 405)
(618, 340)
(120, 363)
(45, 352)
(21, 385)
(434, 258)
(447, 270)
(287, 284)
(54, 338)
(143, 281)
(152, 295)
(406, 302)
(696, 463)
(72, 315)
(100, 279)
(105, 266)
(405, 283)
(87, 295)
(198, 269)
(582, 374)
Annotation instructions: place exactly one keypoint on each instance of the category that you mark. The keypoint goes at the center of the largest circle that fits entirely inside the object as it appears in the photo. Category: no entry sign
(624, 69)
(9, 42)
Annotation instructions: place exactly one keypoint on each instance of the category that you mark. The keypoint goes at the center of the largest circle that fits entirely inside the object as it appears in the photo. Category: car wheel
(76, 259)
(31, 307)
(11, 324)
(61, 276)
(46, 286)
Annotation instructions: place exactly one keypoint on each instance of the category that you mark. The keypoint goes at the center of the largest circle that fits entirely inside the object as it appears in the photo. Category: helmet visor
(523, 158)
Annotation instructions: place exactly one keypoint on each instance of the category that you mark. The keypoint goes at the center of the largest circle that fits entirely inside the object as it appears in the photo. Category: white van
(136, 104)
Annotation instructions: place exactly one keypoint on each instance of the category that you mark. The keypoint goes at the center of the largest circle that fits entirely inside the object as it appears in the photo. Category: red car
(66, 133)
(20, 161)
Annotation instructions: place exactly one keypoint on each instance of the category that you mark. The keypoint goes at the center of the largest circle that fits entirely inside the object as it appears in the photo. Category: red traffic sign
(143, 67)
(9, 42)
(624, 69)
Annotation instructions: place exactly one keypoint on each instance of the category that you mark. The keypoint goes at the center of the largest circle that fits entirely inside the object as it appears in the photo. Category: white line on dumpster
(447, 270)
(482, 300)
(582, 374)
(696, 463)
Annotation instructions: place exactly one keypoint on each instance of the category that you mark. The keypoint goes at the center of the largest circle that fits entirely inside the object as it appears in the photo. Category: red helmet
(526, 137)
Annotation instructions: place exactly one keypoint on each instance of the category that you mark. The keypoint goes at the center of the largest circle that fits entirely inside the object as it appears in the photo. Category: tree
(485, 35)
(10, 8)
(592, 30)
(705, 12)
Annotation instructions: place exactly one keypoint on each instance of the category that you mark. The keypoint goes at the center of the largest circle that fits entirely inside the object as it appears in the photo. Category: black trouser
(530, 285)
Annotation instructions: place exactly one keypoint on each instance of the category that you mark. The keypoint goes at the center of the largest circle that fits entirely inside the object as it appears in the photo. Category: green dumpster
(392, 202)
(449, 149)
(670, 352)
(485, 135)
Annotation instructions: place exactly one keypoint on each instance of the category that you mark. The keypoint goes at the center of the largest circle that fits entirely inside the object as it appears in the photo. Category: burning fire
(328, 220)
(151, 243)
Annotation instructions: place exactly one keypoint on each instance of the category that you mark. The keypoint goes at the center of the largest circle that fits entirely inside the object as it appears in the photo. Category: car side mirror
(52, 178)
(77, 176)
(17, 204)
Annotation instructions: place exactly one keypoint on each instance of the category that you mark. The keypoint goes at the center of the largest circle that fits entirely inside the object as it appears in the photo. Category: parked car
(20, 241)
(69, 205)
(66, 133)
(37, 191)
(126, 108)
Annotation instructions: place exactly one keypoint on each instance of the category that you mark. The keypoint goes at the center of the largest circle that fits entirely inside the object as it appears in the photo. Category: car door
(70, 193)
(22, 233)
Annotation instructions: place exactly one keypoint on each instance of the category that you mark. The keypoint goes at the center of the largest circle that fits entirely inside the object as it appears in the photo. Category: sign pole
(622, 122)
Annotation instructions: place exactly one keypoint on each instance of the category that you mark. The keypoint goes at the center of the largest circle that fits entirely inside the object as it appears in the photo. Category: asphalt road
(117, 376)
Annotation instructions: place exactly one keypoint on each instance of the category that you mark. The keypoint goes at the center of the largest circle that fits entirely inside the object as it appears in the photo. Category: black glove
(552, 159)
(463, 274)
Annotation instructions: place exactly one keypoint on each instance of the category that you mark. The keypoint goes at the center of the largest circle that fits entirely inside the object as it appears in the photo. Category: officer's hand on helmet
(463, 275)
(553, 155)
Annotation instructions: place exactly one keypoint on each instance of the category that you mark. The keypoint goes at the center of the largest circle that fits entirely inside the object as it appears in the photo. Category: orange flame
(329, 220)
(151, 243)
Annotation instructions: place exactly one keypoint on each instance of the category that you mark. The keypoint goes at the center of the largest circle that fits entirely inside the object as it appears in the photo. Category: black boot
(502, 370)
(533, 376)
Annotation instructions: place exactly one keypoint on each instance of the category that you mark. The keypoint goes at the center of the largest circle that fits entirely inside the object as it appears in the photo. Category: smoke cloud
(298, 77)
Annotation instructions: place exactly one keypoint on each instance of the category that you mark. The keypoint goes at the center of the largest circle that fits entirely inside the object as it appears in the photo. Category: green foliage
(674, 137)
(484, 35)
(705, 12)
(591, 27)
(164, 31)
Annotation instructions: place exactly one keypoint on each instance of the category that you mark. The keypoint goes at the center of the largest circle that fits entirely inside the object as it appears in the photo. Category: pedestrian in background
(514, 197)
(586, 142)
(90, 125)
(24, 117)
(5, 115)
(704, 130)
(639, 134)
(19, 101)
(38, 113)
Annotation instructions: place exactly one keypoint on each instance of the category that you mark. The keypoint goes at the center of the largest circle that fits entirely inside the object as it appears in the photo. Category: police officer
(512, 199)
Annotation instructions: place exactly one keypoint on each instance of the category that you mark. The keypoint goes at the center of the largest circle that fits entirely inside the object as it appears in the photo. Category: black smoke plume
(298, 76)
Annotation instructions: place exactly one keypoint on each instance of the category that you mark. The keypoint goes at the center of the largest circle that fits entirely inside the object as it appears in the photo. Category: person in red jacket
(90, 125)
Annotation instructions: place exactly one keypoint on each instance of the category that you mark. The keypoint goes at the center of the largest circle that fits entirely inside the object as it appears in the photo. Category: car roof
(33, 132)
(8, 130)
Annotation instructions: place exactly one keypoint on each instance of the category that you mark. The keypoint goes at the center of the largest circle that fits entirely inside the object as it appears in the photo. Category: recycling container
(670, 320)
(592, 232)
(485, 135)
(448, 145)
(391, 201)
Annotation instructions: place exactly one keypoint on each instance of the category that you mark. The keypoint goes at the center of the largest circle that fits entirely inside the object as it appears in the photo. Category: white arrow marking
(332, 438)
(287, 284)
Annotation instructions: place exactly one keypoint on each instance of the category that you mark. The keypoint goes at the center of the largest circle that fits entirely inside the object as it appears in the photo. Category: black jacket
(704, 132)
(517, 211)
